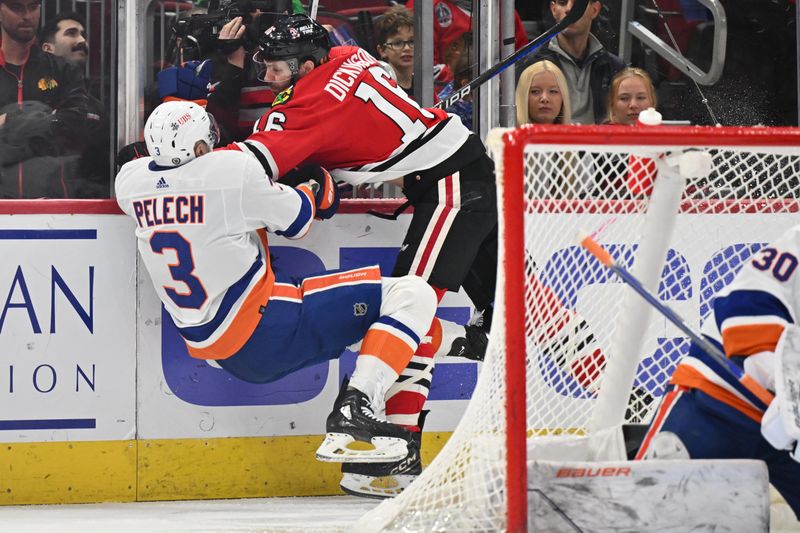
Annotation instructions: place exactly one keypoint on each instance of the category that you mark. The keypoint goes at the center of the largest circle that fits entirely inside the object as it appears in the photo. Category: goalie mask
(173, 130)
(284, 47)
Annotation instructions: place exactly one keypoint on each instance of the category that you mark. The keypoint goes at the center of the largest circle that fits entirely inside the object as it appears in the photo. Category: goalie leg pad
(648, 496)
(787, 379)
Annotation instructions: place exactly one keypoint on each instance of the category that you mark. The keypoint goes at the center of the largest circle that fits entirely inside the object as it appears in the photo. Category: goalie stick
(575, 13)
(605, 258)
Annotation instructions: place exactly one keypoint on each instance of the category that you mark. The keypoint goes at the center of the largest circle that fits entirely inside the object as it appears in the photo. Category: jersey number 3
(180, 271)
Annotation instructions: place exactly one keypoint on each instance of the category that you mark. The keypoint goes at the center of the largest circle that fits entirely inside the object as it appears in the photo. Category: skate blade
(336, 448)
(379, 487)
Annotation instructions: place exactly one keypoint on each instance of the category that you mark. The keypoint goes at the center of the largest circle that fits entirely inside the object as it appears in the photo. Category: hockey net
(572, 351)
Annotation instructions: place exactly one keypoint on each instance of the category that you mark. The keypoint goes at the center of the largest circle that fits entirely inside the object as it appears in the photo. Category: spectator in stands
(240, 98)
(396, 45)
(65, 36)
(459, 59)
(619, 176)
(587, 66)
(542, 98)
(51, 80)
(451, 19)
(542, 95)
(631, 93)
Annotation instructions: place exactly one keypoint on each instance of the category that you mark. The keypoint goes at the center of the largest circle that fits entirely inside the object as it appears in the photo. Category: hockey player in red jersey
(339, 109)
(201, 228)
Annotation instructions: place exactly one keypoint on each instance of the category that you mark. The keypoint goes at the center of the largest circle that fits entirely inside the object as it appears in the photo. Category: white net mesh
(577, 312)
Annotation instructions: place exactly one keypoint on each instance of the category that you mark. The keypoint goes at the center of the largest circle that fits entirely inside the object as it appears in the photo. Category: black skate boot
(476, 337)
(385, 480)
(353, 419)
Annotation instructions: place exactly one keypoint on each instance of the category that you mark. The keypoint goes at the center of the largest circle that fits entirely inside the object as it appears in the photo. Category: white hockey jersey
(749, 317)
(200, 230)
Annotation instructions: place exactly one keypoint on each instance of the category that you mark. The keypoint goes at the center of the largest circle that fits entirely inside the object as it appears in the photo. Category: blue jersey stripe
(748, 303)
(204, 331)
(389, 321)
(303, 217)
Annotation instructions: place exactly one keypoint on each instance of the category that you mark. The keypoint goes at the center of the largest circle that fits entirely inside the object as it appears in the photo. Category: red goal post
(573, 354)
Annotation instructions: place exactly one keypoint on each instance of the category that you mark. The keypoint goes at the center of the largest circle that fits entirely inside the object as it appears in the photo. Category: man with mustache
(29, 74)
(65, 36)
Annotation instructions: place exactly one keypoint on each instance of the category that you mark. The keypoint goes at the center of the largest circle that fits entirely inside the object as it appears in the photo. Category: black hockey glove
(132, 151)
(326, 195)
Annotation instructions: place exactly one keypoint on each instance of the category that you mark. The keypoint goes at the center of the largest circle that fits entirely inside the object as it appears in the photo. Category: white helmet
(174, 128)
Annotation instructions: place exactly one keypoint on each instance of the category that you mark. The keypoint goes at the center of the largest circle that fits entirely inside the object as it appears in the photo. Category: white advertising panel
(67, 328)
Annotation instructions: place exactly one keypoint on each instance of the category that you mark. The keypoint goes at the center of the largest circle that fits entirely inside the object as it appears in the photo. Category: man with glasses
(32, 140)
(396, 38)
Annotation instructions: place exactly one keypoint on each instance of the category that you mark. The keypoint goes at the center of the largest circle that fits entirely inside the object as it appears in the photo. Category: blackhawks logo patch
(283, 96)
(47, 84)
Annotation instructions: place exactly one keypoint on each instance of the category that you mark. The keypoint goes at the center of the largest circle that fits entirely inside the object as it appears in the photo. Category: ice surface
(293, 515)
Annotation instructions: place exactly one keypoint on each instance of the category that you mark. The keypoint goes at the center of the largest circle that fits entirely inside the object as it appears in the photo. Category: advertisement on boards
(67, 328)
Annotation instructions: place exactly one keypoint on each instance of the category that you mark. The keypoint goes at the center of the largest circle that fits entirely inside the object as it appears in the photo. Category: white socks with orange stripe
(373, 377)
(408, 305)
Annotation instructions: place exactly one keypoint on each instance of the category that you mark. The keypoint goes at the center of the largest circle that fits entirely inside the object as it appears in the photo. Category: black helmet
(294, 37)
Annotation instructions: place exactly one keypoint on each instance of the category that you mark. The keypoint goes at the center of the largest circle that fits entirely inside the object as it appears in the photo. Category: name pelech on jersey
(749, 317)
(349, 116)
(170, 210)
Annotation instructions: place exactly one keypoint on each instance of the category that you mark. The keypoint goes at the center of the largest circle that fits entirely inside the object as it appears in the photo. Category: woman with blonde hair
(542, 95)
(631, 92)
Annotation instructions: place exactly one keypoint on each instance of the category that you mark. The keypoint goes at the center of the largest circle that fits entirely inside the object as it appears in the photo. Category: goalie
(201, 227)
(708, 414)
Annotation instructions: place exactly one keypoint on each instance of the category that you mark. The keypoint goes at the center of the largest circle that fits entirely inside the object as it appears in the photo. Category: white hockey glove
(761, 367)
(780, 424)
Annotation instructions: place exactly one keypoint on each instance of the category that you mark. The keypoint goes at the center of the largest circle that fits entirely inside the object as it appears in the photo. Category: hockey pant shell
(711, 429)
(454, 222)
(308, 321)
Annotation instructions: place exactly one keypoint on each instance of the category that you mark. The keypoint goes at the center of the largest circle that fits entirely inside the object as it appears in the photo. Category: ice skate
(353, 421)
(476, 337)
(384, 480)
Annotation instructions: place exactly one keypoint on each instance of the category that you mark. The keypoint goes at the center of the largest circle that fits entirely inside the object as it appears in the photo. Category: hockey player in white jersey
(201, 227)
(706, 412)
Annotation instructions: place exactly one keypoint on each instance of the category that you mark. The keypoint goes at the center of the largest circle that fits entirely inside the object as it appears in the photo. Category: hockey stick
(575, 13)
(312, 9)
(604, 257)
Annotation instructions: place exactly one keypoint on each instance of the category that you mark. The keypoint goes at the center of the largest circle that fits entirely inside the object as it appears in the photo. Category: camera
(194, 37)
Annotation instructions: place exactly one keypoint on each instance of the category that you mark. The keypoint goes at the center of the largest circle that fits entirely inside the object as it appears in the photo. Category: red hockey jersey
(349, 116)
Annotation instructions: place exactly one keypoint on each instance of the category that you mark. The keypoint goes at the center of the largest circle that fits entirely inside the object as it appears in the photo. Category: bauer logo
(606, 471)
